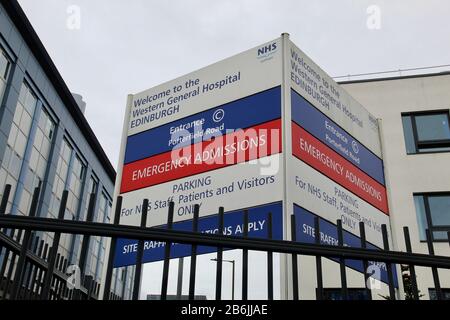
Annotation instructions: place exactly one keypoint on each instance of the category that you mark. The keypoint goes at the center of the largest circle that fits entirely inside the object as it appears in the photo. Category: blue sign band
(240, 114)
(327, 131)
(125, 254)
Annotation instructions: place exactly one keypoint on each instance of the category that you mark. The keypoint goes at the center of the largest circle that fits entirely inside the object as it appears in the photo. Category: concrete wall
(408, 174)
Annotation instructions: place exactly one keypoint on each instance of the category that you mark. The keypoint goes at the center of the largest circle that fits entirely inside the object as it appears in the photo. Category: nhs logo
(266, 52)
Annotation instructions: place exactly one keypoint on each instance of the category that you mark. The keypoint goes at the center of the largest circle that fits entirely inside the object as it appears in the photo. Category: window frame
(428, 217)
(444, 291)
(8, 67)
(12, 60)
(443, 143)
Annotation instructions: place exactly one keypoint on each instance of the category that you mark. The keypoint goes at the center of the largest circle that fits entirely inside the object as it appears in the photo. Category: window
(75, 252)
(70, 174)
(353, 294)
(433, 210)
(426, 132)
(59, 182)
(445, 294)
(5, 66)
(91, 188)
(38, 160)
(74, 186)
(18, 139)
(97, 245)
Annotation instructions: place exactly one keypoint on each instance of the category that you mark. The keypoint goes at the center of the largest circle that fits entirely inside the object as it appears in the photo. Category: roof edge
(423, 75)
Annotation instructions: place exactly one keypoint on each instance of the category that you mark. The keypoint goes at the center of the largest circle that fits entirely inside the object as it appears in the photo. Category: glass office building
(46, 142)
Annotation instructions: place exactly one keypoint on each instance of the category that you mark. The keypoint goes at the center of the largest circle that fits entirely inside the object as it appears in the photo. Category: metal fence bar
(26, 274)
(3, 267)
(54, 249)
(61, 263)
(112, 251)
(318, 260)
(86, 238)
(32, 268)
(5, 198)
(140, 252)
(9, 274)
(36, 245)
(180, 277)
(21, 264)
(67, 293)
(90, 287)
(45, 253)
(51, 295)
(54, 289)
(18, 235)
(437, 284)
(448, 237)
(36, 269)
(58, 261)
(294, 260)
(245, 261)
(60, 289)
(193, 255)
(412, 270)
(269, 260)
(220, 257)
(1, 252)
(388, 265)
(342, 267)
(32, 282)
(37, 284)
(56, 285)
(167, 247)
(29, 274)
(41, 278)
(362, 235)
(214, 240)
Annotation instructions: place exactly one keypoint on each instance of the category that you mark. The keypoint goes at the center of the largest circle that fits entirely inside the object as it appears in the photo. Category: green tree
(407, 284)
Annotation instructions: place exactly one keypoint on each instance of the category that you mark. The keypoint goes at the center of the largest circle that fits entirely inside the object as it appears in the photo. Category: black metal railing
(32, 269)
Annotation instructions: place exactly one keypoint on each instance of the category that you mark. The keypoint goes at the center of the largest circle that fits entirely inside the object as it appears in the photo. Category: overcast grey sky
(125, 47)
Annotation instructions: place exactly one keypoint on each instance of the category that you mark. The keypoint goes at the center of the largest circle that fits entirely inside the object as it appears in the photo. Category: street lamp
(232, 282)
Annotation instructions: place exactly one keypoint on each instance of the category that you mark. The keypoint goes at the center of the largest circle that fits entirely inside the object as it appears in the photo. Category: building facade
(46, 142)
(414, 117)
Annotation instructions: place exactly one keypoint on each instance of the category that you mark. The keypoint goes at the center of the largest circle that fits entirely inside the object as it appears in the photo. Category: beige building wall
(407, 174)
